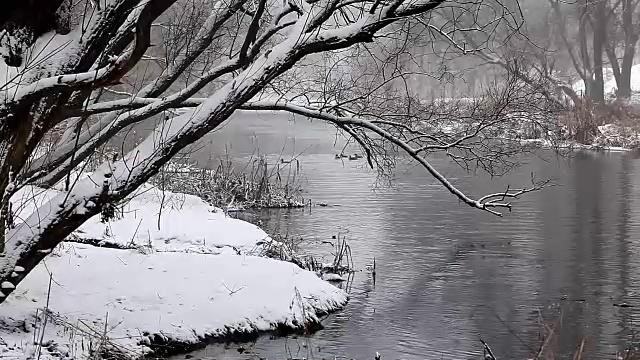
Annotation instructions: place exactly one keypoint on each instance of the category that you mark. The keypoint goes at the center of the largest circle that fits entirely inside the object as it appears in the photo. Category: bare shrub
(614, 124)
(581, 123)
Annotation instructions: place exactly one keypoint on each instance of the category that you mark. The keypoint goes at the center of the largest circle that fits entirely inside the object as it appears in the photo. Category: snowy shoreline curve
(166, 281)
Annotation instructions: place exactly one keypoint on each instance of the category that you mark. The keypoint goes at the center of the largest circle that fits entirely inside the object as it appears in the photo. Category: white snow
(193, 278)
(183, 296)
(29, 199)
(66, 80)
(187, 223)
(573, 145)
(48, 52)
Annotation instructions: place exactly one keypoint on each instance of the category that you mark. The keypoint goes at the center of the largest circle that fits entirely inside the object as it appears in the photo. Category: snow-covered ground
(189, 273)
(182, 223)
(185, 223)
(573, 145)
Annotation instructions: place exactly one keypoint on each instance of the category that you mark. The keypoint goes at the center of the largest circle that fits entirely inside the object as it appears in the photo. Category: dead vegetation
(548, 340)
(615, 124)
(234, 186)
(287, 248)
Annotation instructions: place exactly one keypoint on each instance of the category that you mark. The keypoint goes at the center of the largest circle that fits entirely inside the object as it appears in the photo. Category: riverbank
(573, 145)
(609, 138)
(165, 279)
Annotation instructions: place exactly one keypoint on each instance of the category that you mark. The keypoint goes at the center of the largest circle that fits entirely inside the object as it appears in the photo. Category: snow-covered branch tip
(500, 199)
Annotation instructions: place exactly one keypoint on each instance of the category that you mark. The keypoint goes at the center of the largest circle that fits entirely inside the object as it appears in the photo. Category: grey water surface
(449, 275)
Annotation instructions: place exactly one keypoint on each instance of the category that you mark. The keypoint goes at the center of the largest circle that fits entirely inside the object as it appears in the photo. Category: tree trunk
(613, 60)
(587, 69)
(624, 85)
(630, 40)
(599, 39)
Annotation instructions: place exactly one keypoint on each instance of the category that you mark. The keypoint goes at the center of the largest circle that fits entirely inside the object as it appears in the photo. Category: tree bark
(630, 41)
(587, 70)
(624, 86)
(613, 60)
(599, 39)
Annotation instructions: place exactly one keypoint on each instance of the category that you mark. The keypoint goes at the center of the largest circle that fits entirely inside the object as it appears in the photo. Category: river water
(449, 275)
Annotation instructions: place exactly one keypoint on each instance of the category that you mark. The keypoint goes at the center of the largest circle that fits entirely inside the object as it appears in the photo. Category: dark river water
(449, 275)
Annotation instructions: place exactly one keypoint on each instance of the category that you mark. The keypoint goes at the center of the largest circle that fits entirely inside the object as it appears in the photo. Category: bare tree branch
(486, 203)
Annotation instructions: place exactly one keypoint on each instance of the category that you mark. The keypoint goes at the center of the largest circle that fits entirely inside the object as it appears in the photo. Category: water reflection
(449, 275)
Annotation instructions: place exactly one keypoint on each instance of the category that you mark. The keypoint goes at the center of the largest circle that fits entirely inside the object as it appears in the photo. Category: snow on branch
(131, 104)
(84, 144)
(115, 68)
(500, 199)
(101, 132)
(67, 82)
(323, 41)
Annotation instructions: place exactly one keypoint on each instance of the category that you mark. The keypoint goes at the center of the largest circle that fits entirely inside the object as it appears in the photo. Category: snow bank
(185, 297)
(174, 222)
(572, 145)
(161, 221)
(193, 279)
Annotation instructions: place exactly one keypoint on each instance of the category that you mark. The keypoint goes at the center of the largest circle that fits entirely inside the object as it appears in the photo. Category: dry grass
(85, 339)
(547, 348)
(581, 124)
(287, 248)
(233, 186)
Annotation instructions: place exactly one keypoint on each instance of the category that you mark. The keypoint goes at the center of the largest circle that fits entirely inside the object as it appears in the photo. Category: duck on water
(350, 157)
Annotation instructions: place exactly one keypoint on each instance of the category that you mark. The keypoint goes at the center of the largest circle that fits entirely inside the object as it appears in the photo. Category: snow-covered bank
(162, 221)
(184, 297)
(573, 145)
(610, 138)
(184, 223)
(194, 279)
